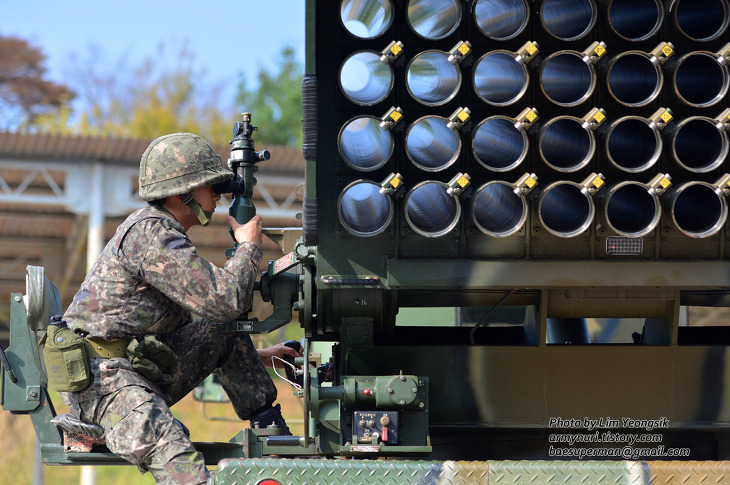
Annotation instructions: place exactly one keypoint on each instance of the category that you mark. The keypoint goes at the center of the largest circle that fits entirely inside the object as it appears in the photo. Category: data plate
(381, 424)
(624, 246)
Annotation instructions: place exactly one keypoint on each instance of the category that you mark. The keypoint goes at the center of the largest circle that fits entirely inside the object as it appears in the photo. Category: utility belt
(66, 355)
(97, 348)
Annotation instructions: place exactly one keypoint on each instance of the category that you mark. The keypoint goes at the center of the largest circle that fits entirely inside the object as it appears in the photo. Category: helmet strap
(203, 216)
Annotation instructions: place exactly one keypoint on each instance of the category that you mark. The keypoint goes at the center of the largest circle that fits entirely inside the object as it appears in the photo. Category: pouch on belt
(66, 359)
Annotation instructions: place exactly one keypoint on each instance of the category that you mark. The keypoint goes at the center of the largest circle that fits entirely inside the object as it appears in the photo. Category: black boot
(270, 415)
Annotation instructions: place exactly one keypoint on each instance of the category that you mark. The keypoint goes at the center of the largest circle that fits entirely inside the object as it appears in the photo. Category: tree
(25, 93)
(157, 97)
(276, 103)
(163, 95)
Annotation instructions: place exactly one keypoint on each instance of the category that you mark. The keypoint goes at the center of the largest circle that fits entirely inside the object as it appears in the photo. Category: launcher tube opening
(431, 145)
(697, 209)
(430, 211)
(497, 210)
(499, 79)
(699, 145)
(366, 19)
(635, 20)
(633, 145)
(568, 19)
(631, 210)
(431, 79)
(498, 145)
(501, 19)
(434, 19)
(701, 20)
(700, 80)
(364, 144)
(564, 210)
(363, 210)
(567, 79)
(565, 144)
(634, 80)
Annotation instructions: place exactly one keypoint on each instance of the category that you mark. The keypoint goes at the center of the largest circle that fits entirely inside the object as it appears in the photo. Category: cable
(294, 384)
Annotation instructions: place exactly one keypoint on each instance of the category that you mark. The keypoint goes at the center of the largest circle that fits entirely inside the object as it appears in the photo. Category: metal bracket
(526, 119)
(458, 184)
(525, 184)
(33, 393)
(594, 53)
(723, 120)
(391, 52)
(392, 184)
(661, 118)
(391, 118)
(459, 52)
(592, 184)
(723, 185)
(527, 52)
(659, 184)
(234, 326)
(662, 53)
(724, 55)
(594, 118)
(459, 118)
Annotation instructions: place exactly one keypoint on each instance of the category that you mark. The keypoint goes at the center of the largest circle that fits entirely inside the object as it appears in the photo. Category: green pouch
(151, 357)
(67, 363)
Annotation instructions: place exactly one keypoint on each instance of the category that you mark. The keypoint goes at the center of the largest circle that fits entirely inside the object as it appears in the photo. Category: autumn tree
(163, 94)
(276, 101)
(25, 93)
(156, 97)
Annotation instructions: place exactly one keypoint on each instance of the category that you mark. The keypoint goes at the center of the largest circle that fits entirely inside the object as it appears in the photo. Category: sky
(226, 37)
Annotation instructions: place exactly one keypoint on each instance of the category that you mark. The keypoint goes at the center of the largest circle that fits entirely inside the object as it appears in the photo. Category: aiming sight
(243, 164)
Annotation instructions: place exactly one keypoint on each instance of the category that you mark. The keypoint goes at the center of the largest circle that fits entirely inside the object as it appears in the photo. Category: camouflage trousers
(138, 423)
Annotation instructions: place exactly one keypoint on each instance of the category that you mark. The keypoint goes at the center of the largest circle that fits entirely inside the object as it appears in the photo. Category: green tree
(276, 102)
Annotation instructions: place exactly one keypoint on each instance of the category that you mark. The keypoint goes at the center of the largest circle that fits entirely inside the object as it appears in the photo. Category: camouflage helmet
(177, 164)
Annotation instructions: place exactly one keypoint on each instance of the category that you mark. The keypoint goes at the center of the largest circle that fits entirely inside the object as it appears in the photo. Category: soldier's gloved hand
(151, 358)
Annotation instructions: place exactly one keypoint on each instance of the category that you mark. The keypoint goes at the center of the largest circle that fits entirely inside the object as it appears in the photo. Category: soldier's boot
(270, 415)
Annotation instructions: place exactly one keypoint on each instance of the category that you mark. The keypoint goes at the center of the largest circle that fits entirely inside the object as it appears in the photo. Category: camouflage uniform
(149, 280)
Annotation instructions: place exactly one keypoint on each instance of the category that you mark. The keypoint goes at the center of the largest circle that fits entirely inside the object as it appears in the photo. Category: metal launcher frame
(451, 161)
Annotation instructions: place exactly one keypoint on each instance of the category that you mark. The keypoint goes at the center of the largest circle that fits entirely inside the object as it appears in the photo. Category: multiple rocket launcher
(513, 132)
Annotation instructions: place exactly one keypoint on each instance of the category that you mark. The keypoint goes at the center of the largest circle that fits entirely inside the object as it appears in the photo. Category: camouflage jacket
(150, 279)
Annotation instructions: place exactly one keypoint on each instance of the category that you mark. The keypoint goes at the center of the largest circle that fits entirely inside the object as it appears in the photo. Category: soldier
(135, 306)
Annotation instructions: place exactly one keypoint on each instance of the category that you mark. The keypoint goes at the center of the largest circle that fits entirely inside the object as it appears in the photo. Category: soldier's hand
(251, 231)
(278, 350)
